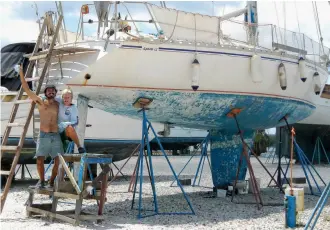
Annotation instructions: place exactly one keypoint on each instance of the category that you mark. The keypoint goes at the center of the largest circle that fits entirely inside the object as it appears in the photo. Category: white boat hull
(164, 73)
(321, 115)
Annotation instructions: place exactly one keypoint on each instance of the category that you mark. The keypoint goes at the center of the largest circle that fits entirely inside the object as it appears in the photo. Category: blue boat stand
(318, 208)
(305, 163)
(306, 166)
(203, 155)
(317, 151)
(142, 103)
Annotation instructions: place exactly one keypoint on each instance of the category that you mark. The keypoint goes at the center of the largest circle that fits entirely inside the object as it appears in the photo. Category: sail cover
(12, 55)
(182, 25)
(102, 9)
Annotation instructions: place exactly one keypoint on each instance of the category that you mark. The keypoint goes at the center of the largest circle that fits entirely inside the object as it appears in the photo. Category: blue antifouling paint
(226, 149)
(204, 110)
(291, 212)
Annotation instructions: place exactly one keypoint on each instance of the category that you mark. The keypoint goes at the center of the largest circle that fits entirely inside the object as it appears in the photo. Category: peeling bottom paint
(203, 110)
(226, 149)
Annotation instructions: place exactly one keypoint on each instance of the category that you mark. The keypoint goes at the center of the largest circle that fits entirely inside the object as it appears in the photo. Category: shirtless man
(49, 140)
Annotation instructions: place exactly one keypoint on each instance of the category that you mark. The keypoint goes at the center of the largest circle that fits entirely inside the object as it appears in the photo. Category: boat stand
(121, 168)
(233, 114)
(317, 151)
(279, 169)
(271, 158)
(142, 104)
(245, 154)
(23, 166)
(118, 171)
(318, 208)
(305, 163)
(203, 155)
(133, 177)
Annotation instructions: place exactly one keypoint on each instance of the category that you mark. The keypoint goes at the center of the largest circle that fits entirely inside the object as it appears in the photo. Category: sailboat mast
(252, 20)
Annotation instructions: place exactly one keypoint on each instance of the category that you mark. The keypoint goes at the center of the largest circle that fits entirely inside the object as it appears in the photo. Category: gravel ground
(211, 212)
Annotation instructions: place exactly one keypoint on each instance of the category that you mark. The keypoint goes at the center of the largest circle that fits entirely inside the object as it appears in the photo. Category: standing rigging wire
(79, 30)
(278, 24)
(284, 21)
(317, 23)
(109, 10)
(220, 31)
(301, 42)
(195, 36)
(35, 7)
(137, 30)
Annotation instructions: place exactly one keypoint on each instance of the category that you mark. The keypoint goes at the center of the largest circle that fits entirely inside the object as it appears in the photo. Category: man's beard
(50, 96)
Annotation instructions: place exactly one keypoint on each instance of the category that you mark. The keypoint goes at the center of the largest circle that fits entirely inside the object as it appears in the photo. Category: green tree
(261, 141)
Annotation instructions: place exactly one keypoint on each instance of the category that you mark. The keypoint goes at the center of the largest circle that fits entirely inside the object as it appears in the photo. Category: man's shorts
(49, 144)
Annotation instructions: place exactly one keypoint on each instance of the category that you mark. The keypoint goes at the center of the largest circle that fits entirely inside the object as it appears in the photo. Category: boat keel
(226, 149)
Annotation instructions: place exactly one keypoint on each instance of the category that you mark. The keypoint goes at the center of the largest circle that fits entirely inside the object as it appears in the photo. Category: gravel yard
(211, 212)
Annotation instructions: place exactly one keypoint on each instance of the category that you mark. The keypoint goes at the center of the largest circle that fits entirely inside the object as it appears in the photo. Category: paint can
(299, 194)
(230, 190)
(221, 193)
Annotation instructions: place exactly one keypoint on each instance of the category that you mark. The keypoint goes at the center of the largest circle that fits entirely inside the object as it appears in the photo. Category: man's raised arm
(26, 88)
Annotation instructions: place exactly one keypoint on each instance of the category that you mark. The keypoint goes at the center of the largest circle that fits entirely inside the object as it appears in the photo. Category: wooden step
(23, 101)
(9, 148)
(4, 173)
(16, 124)
(37, 57)
(32, 79)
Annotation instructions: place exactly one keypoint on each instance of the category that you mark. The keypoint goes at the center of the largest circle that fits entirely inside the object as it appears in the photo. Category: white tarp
(184, 25)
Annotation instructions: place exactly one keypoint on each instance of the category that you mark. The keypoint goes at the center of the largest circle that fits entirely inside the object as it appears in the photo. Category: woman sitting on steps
(68, 119)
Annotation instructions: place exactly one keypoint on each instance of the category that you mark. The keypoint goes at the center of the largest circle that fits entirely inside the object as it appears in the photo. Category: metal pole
(141, 164)
(64, 27)
(116, 21)
(145, 21)
(82, 27)
(150, 161)
(152, 18)
(279, 179)
(321, 203)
